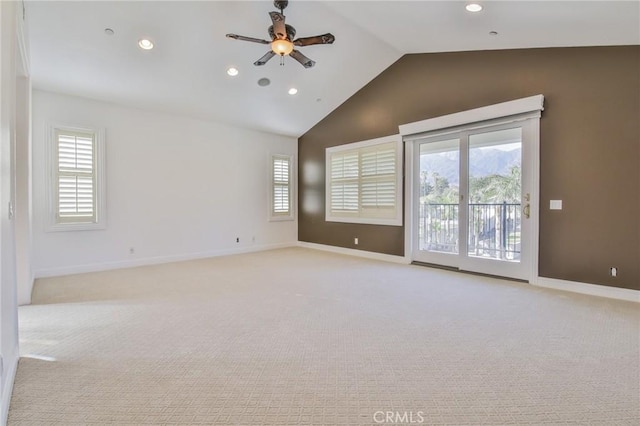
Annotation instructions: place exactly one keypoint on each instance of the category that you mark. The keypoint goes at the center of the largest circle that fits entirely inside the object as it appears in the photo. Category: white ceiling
(186, 72)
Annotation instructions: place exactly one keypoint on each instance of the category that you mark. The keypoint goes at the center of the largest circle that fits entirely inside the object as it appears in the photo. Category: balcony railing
(494, 229)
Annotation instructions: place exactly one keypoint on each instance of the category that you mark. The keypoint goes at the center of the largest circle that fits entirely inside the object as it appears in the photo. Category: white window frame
(360, 216)
(273, 216)
(52, 223)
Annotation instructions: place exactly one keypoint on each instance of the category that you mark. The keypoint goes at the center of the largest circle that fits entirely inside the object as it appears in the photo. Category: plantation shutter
(281, 186)
(75, 176)
(379, 178)
(363, 183)
(344, 182)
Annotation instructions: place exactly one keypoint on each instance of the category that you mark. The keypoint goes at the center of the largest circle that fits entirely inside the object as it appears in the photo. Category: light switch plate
(555, 205)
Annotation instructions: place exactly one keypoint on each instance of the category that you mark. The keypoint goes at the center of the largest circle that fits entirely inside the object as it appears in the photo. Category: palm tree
(497, 188)
(508, 188)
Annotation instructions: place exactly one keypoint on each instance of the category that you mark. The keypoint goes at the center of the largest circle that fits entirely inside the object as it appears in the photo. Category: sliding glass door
(438, 216)
(472, 200)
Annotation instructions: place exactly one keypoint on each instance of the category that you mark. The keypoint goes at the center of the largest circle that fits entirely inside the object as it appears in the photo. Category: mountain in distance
(484, 162)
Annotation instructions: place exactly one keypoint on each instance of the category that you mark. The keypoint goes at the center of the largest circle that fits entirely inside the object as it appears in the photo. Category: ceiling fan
(282, 39)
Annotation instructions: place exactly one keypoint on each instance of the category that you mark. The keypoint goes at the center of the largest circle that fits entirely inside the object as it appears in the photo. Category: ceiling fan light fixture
(282, 47)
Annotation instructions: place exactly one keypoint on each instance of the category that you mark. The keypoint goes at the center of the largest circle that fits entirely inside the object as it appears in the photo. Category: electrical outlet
(132, 250)
(253, 239)
(613, 272)
(237, 239)
(355, 241)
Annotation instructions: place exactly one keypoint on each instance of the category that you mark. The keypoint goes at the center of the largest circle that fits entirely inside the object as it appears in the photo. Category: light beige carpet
(296, 336)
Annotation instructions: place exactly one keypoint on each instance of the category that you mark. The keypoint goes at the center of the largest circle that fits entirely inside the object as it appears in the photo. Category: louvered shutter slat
(344, 196)
(281, 199)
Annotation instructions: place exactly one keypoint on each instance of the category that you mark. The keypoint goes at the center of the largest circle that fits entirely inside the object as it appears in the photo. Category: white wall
(10, 28)
(23, 212)
(176, 188)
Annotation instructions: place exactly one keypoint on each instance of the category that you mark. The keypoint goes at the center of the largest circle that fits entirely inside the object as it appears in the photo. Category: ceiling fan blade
(327, 38)
(251, 39)
(270, 54)
(306, 62)
(279, 28)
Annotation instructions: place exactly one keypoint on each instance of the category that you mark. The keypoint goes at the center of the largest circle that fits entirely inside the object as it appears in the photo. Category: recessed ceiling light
(109, 31)
(493, 33)
(473, 7)
(293, 91)
(145, 44)
(232, 71)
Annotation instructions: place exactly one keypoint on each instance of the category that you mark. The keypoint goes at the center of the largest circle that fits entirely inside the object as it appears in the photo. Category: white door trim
(408, 199)
(490, 112)
(525, 108)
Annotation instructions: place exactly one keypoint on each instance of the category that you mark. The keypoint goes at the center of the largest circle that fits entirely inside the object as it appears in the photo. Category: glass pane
(495, 164)
(439, 196)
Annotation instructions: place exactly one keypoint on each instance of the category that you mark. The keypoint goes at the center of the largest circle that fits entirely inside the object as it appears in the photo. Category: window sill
(281, 219)
(63, 227)
(364, 221)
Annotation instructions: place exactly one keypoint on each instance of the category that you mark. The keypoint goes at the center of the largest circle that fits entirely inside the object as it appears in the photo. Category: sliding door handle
(527, 211)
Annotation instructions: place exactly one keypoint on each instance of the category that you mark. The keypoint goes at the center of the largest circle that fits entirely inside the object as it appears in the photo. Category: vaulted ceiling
(185, 72)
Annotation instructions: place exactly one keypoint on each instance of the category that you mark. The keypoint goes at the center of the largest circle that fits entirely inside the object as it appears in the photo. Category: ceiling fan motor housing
(280, 4)
(291, 32)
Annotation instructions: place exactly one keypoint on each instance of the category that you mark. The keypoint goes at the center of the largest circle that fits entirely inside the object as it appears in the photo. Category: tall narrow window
(76, 177)
(76, 195)
(364, 182)
(281, 187)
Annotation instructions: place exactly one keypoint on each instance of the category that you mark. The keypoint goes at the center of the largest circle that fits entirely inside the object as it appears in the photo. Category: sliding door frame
(508, 112)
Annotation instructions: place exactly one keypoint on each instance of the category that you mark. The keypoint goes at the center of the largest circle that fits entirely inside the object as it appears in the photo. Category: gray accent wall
(589, 153)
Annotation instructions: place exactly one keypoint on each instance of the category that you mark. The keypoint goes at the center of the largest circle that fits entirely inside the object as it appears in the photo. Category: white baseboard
(360, 253)
(590, 289)
(571, 286)
(10, 366)
(106, 266)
